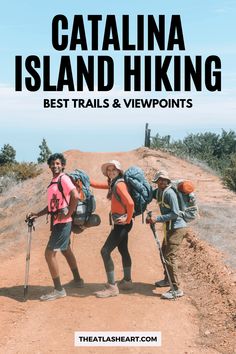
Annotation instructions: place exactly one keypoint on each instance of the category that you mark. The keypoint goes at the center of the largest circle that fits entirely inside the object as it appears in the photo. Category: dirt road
(36, 327)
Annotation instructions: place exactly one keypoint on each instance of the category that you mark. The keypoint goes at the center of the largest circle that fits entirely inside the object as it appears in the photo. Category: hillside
(203, 321)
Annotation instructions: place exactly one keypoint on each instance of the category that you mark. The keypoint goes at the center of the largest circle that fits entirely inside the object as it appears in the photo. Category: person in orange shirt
(122, 209)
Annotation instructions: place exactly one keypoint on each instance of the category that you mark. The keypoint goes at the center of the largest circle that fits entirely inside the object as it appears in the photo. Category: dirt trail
(35, 327)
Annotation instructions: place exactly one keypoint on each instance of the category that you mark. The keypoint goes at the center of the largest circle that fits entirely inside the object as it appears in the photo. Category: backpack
(186, 199)
(83, 216)
(138, 187)
(87, 204)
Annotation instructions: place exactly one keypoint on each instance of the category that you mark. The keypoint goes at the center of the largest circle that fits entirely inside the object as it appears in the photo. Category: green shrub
(45, 152)
(229, 175)
(7, 154)
(217, 151)
(20, 171)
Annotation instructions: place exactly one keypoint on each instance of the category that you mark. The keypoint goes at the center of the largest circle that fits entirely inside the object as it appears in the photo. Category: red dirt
(203, 321)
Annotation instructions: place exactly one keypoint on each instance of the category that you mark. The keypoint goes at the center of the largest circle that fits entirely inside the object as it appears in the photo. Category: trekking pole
(30, 223)
(152, 226)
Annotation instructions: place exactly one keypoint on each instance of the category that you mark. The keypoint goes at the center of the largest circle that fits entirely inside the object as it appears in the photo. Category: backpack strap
(161, 201)
(60, 188)
(118, 198)
(114, 192)
(82, 182)
(79, 186)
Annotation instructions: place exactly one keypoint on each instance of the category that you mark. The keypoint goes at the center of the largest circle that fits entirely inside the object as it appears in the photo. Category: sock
(111, 277)
(76, 274)
(127, 273)
(57, 284)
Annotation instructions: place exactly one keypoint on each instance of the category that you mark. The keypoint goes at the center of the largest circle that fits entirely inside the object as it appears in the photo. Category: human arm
(98, 185)
(126, 201)
(171, 203)
(74, 197)
(34, 215)
(67, 212)
(154, 193)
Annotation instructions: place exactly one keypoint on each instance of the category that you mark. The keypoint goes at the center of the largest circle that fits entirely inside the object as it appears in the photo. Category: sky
(25, 29)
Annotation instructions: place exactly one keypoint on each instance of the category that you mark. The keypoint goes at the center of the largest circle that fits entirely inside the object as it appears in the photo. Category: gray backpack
(187, 201)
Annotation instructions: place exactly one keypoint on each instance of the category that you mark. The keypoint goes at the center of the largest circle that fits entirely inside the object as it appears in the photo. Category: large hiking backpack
(83, 216)
(87, 204)
(186, 199)
(139, 189)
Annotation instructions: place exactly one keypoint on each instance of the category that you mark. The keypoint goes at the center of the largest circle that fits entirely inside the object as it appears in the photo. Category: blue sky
(25, 29)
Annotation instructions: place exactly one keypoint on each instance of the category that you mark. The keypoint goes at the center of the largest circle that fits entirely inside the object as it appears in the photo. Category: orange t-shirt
(126, 206)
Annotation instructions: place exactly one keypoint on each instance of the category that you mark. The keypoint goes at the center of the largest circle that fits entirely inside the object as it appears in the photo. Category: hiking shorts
(60, 237)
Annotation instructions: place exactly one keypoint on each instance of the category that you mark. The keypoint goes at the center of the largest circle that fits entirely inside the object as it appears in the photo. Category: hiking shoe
(55, 294)
(162, 283)
(169, 294)
(109, 291)
(76, 284)
(125, 284)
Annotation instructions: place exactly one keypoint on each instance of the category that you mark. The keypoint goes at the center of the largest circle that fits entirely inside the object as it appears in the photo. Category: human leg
(113, 240)
(59, 240)
(118, 237)
(58, 291)
(71, 260)
(123, 249)
(51, 260)
(164, 282)
(175, 238)
(110, 244)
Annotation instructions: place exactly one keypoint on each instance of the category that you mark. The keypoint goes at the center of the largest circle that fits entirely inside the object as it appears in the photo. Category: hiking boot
(55, 294)
(169, 294)
(162, 283)
(108, 291)
(76, 284)
(125, 284)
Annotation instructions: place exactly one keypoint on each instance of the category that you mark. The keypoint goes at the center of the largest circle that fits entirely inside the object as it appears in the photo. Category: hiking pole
(30, 223)
(152, 226)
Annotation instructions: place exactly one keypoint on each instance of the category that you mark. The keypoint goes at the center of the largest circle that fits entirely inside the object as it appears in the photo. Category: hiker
(121, 214)
(61, 206)
(174, 230)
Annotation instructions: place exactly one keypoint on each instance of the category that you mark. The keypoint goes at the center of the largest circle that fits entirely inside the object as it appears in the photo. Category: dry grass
(217, 226)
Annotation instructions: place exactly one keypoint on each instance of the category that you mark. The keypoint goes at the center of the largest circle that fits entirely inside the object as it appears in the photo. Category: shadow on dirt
(17, 292)
(89, 289)
(35, 291)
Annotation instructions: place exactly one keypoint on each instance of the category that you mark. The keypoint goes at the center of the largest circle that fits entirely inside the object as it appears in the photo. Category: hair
(110, 185)
(56, 156)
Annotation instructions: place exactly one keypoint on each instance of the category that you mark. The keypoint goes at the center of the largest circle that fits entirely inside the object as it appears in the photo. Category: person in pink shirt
(61, 204)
